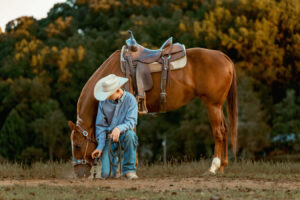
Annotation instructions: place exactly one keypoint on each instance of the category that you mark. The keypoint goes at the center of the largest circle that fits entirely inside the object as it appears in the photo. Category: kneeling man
(117, 113)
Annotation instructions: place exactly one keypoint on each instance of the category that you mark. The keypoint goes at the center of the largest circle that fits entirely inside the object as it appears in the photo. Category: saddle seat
(148, 56)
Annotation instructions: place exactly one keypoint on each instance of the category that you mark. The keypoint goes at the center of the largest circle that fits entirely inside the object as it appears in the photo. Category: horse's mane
(87, 105)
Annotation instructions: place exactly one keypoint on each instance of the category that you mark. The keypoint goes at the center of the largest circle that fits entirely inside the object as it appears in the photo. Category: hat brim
(100, 95)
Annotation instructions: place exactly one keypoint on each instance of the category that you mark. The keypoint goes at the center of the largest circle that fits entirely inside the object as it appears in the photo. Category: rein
(110, 153)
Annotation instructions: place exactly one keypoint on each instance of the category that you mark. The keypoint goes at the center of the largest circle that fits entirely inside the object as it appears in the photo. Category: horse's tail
(232, 110)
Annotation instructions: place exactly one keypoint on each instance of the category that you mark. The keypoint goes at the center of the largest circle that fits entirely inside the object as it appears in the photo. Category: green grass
(243, 169)
(37, 170)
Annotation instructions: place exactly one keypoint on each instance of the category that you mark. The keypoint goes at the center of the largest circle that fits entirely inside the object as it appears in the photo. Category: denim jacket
(124, 117)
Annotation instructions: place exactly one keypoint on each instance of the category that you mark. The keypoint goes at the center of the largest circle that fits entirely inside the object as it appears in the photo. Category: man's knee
(131, 137)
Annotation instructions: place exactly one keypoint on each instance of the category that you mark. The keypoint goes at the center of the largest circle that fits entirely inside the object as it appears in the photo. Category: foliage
(45, 63)
(253, 129)
(286, 128)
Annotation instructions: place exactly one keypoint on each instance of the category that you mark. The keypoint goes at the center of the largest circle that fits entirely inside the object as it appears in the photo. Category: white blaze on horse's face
(216, 164)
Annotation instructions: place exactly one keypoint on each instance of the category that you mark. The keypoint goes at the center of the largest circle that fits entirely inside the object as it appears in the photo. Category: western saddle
(137, 62)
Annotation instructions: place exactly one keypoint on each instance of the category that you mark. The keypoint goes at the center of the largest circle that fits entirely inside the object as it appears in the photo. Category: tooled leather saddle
(139, 62)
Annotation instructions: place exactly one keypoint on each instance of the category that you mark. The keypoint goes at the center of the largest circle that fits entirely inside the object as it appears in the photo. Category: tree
(12, 136)
(253, 130)
(286, 127)
(51, 127)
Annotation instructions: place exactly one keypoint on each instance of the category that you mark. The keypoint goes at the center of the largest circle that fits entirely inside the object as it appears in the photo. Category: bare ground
(150, 188)
(157, 184)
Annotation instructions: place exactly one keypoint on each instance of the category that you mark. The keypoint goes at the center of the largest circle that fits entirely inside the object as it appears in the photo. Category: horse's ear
(71, 125)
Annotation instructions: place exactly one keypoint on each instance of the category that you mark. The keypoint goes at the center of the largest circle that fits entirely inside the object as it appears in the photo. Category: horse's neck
(87, 106)
(80, 122)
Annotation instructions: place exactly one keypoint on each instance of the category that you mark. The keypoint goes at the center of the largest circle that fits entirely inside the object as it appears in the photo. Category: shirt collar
(123, 96)
(120, 100)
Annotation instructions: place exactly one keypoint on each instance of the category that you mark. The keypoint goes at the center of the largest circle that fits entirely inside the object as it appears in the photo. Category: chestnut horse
(208, 74)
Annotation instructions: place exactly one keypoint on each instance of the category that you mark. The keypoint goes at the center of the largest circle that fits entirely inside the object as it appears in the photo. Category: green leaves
(286, 129)
(13, 136)
(45, 63)
(286, 119)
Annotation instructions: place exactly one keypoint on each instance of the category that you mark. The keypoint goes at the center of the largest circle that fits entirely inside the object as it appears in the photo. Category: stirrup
(142, 108)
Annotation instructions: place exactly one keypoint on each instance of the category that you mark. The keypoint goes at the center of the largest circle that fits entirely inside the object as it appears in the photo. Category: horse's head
(83, 144)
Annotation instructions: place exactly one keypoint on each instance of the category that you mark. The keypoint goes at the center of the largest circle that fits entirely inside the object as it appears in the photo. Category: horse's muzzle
(82, 170)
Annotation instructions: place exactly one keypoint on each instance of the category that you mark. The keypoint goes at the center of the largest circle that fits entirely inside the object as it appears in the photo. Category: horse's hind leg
(224, 158)
(219, 129)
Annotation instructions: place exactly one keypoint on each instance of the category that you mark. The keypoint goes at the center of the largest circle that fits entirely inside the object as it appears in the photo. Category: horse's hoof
(208, 174)
(221, 170)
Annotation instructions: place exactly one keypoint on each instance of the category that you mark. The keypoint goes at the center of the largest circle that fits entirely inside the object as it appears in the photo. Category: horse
(208, 74)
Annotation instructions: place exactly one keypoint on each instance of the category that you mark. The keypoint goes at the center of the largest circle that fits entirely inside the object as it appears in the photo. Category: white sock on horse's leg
(216, 164)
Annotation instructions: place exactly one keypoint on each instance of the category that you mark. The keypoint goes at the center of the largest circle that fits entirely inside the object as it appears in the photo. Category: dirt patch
(159, 184)
(150, 188)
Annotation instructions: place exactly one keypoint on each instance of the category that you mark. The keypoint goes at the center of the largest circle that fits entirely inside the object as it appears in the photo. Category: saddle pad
(177, 64)
(156, 66)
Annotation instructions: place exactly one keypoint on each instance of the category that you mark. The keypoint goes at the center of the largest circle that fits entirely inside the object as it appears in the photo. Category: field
(242, 180)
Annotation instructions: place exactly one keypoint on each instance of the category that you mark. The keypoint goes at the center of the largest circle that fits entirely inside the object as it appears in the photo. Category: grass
(37, 170)
(267, 170)
(242, 169)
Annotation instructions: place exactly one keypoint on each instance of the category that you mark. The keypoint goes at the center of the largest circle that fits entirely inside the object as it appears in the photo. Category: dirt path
(161, 184)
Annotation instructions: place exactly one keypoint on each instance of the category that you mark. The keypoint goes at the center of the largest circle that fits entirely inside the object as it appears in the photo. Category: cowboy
(117, 114)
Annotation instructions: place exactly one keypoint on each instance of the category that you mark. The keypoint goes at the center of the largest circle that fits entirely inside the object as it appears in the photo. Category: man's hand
(115, 134)
(96, 153)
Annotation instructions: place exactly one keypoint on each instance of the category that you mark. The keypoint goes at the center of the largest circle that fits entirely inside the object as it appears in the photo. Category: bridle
(88, 140)
(91, 140)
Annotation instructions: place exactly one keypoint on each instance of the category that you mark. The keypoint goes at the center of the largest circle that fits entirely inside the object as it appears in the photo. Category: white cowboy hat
(107, 86)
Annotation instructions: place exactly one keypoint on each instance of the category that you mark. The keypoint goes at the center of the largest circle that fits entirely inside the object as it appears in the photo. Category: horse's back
(212, 71)
(209, 59)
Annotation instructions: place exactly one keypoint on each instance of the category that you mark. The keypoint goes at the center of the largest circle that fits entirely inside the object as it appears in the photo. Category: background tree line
(45, 63)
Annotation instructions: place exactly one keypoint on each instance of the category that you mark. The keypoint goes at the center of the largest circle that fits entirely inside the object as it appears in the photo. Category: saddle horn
(131, 34)
(131, 42)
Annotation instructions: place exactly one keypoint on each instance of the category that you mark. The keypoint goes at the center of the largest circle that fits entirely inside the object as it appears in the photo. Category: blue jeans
(129, 143)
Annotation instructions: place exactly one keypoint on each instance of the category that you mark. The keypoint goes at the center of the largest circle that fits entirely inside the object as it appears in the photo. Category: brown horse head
(83, 145)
